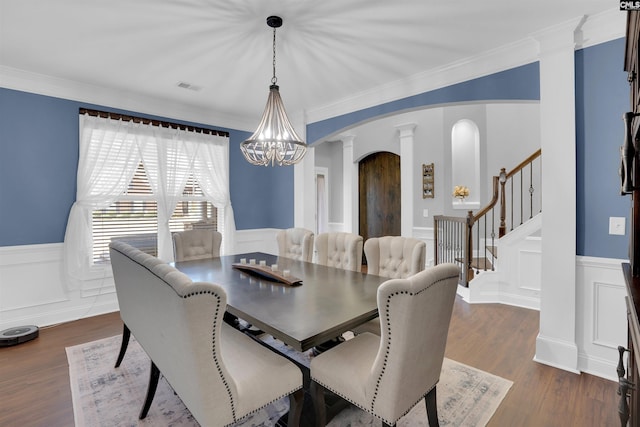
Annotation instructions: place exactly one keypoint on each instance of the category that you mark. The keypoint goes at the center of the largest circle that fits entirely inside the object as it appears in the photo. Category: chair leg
(317, 395)
(432, 408)
(295, 408)
(151, 390)
(126, 333)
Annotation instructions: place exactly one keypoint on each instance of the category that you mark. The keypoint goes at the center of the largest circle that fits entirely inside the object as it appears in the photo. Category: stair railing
(471, 241)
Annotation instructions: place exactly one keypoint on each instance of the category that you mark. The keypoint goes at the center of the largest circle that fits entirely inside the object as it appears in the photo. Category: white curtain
(168, 163)
(108, 157)
(211, 170)
(110, 152)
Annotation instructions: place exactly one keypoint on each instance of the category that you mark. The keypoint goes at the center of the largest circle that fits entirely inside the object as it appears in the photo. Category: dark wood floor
(34, 376)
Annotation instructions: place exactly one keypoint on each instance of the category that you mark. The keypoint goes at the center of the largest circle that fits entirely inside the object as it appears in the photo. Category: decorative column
(407, 176)
(305, 191)
(556, 341)
(350, 211)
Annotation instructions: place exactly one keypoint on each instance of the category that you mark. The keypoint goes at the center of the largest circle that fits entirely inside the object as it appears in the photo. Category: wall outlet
(425, 213)
(617, 225)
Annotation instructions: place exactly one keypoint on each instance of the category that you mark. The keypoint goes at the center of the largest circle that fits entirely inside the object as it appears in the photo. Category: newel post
(502, 230)
(468, 253)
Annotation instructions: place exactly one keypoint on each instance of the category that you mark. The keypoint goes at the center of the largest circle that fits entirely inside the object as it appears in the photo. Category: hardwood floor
(34, 376)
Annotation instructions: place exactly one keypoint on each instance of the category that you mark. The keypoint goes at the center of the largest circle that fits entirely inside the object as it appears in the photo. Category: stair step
(481, 264)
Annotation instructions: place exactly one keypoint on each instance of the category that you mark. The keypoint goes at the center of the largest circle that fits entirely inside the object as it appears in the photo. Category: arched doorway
(379, 195)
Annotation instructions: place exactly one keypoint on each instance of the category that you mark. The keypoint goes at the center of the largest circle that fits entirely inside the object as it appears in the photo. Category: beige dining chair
(295, 243)
(340, 250)
(221, 374)
(395, 257)
(382, 374)
(196, 244)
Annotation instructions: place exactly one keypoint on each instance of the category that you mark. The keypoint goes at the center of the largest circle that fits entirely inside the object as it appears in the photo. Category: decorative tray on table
(269, 273)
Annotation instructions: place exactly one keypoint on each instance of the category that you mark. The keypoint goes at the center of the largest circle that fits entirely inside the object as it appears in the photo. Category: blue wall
(262, 197)
(514, 84)
(38, 165)
(602, 96)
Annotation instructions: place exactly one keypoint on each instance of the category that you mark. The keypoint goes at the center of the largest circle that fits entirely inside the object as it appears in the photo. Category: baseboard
(556, 353)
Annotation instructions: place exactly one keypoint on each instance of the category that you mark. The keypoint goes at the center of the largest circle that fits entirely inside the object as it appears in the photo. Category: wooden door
(379, 193)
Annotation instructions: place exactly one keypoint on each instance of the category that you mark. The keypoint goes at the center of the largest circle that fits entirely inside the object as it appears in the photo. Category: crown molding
(26, 81)
(595, 29)
(601, 28)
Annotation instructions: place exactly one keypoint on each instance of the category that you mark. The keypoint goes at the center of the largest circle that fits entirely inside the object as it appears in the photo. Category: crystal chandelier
(275, 141)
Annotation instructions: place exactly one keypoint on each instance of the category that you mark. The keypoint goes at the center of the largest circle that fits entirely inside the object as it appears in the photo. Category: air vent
(189, 86)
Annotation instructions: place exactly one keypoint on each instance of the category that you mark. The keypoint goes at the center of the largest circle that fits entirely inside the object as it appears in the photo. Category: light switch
(425, 213)
(616, 225)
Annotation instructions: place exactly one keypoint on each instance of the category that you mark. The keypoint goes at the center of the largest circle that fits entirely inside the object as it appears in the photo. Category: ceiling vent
(189, 86)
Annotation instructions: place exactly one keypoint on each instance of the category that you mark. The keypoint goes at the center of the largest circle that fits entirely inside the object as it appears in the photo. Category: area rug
(107, 397)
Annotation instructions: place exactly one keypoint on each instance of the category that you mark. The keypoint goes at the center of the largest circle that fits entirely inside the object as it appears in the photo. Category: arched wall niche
(465, 162)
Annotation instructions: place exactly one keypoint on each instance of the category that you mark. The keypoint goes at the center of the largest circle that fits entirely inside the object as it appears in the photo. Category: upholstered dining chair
(295, 243)
(205, 243)
(388, 375)
(196, 244)
(340, 250)
(395, 257)
(221, 374)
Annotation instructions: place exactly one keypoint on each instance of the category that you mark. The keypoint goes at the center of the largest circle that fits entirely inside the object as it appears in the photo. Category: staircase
(509, 224)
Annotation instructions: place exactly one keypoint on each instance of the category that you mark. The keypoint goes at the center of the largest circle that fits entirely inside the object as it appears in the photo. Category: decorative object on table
(275, 141)
(269, 272)
(104, 396)
(427, 181)
(460, 192)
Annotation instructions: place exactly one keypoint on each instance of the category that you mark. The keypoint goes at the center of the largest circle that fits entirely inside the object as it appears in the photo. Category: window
(141, 182)
(133, 217)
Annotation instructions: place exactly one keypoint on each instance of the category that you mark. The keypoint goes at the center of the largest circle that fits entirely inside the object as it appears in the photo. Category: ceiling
(326, 50)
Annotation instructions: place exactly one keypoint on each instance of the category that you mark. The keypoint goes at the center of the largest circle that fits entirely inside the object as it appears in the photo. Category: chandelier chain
(274, 79)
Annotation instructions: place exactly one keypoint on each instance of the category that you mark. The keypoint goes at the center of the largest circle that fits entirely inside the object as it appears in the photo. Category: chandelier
(275, 141)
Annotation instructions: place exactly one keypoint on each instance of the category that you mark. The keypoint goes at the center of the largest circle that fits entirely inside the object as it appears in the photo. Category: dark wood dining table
(328, 302)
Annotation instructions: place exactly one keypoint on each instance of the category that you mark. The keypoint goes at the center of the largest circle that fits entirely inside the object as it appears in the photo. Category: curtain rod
(136, 119)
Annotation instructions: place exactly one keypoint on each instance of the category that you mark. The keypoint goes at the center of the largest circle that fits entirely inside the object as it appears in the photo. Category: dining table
(314, 304)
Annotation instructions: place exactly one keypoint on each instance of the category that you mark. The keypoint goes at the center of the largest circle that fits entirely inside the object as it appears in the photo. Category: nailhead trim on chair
(213, 347)
(129, 252)
(386, 355)
(218, 367)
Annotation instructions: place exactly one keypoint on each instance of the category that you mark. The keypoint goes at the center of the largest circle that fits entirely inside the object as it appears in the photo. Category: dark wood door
(379, 192)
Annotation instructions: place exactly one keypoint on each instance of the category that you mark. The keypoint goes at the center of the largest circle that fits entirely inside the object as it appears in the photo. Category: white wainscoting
(426, 235)
(34, 291)
(257, 240)
(601, 315)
